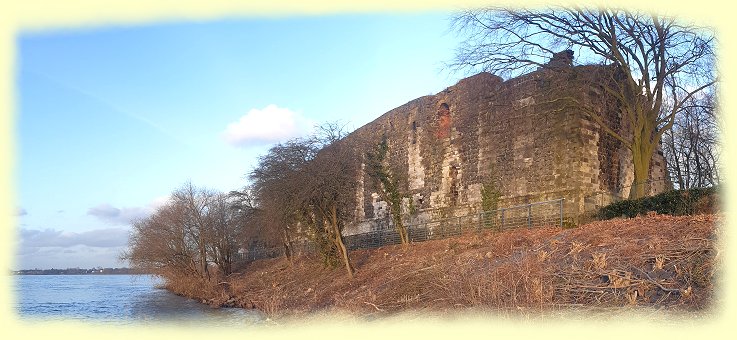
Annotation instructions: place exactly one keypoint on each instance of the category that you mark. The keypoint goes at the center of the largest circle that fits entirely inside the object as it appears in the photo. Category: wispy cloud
(31, 240)
(21, 212)
(268, 125)
(119, 216)
(125, 215)
(109, 105)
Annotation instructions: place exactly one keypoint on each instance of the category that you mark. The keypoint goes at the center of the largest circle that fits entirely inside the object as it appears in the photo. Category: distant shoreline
(83, 274)
(79, 271)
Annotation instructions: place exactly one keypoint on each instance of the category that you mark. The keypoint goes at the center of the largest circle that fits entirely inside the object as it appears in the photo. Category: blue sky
(111, 119)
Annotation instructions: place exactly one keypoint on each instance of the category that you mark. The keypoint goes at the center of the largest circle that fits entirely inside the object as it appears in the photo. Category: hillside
(659, 260)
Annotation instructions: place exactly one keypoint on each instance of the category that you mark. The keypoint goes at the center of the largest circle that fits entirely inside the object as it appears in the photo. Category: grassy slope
(661, 261)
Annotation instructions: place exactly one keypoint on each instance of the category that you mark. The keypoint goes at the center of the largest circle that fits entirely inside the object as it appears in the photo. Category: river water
(118, 299)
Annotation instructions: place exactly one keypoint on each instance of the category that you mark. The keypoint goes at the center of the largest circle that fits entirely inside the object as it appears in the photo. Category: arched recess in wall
(453, 174)
(444, 121)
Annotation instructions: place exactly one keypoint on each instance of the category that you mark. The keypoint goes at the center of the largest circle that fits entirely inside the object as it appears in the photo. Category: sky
(112, 119)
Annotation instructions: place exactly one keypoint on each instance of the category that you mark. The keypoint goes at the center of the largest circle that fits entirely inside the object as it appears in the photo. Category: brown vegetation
(304, 188)
(661, 261)
(195, 233)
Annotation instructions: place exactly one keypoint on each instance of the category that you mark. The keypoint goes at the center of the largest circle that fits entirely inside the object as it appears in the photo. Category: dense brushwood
(658, 260)
(674, 202)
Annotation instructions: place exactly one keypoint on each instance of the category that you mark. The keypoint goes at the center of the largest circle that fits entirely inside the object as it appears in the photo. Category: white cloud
(21, 212)
(267, 125)
(125, 215)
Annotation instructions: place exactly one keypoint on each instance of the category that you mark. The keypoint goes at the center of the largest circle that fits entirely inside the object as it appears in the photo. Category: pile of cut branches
(658, 261)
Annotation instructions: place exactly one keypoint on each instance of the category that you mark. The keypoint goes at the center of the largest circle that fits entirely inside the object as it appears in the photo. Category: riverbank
(655, 261)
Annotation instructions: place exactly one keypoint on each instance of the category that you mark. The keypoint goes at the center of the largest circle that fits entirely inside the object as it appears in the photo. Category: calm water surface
(122, 299)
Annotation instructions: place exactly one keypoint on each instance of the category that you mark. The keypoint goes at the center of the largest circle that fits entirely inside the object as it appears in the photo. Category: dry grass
(662, 261)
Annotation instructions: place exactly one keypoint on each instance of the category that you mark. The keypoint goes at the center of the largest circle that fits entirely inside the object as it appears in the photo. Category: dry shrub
(707, 205)
(599, 261)
(651, 260)
(661, 260)
(542, 255)
(193, 287)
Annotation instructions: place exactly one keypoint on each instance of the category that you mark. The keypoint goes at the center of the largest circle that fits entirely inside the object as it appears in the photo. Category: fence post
(529, 216)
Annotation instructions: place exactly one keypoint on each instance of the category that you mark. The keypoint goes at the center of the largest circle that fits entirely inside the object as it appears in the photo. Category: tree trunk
(227, 259)
(287, 246)
(398, 225)
(641, 157)
(402, 232)
(339, 241)
(389, 195)
(203, 256)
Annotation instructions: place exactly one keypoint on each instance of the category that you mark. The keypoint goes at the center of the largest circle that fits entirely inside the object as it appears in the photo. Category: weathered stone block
(513, 135)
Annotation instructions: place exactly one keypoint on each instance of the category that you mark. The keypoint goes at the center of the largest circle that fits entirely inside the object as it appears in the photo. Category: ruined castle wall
(512, 135)
(608, 172)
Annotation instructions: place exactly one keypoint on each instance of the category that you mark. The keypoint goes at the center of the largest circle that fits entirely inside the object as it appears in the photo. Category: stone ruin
(515, 136)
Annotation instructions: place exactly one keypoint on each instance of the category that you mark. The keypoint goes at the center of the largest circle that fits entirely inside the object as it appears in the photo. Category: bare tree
(247, 209)
(161, 244)
(225, 231)
(657, 63)
(329, 132)
(691, 146)
(275, 178)
(195, 230)
(196, 204)
(305, 187)
(328, 192)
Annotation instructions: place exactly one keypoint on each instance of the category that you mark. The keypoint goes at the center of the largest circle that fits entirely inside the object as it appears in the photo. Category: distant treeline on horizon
(78, 271)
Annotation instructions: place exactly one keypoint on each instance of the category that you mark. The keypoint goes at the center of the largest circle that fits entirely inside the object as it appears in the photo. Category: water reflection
(161, 305)
(119, 299)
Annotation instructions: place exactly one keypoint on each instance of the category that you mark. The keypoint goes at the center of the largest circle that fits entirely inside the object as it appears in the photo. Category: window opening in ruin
(444, 121)
(454, 184)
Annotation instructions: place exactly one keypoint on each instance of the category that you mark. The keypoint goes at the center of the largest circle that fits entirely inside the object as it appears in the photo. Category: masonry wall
(517, 136)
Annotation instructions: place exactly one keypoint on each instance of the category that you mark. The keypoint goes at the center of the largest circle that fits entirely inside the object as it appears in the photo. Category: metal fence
(261, 253)
(539, 214)
(531, 215)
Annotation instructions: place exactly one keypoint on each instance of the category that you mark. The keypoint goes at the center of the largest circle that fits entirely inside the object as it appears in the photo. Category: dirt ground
(657, 261)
